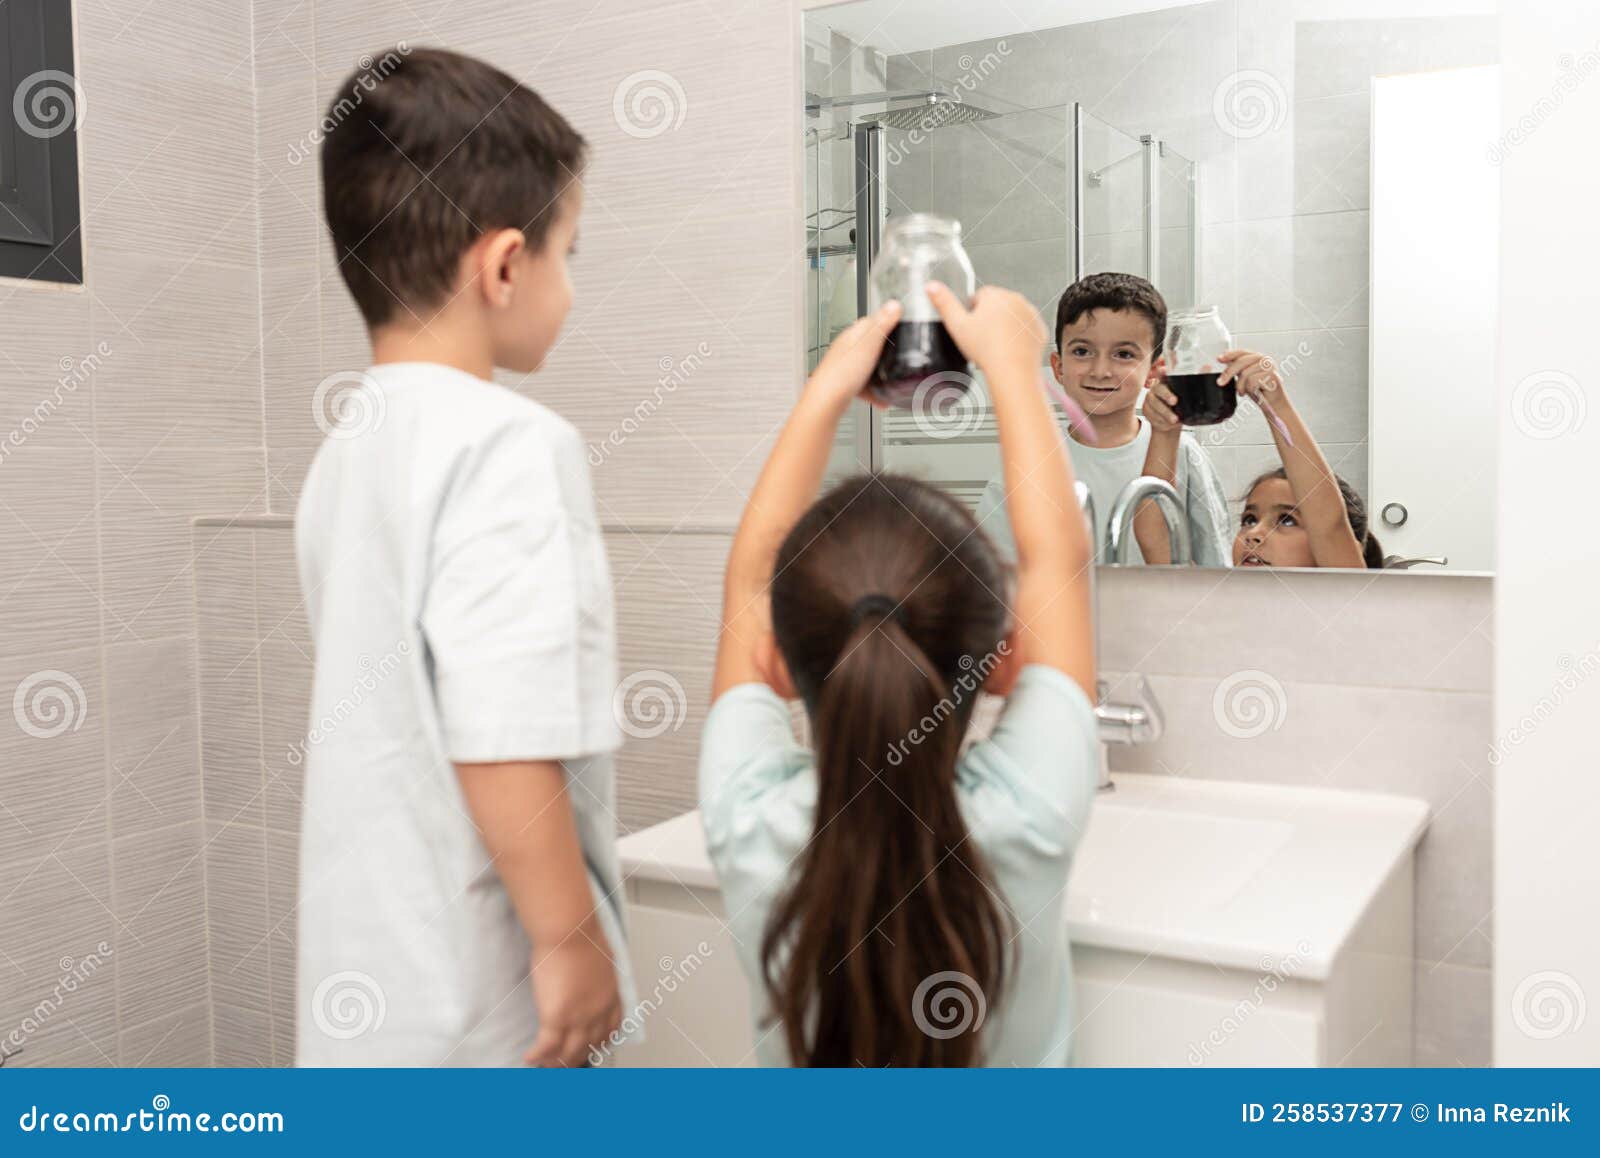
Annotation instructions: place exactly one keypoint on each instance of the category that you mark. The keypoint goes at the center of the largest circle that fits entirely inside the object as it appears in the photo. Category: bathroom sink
(1212, 923)
(1233, 874)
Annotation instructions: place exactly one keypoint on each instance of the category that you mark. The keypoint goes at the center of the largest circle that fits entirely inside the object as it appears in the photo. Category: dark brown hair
(1355, 509)
(424, 152)
(885, 597)
(1113, 291)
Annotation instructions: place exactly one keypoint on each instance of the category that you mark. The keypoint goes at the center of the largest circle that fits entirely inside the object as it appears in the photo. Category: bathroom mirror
(1323, 173)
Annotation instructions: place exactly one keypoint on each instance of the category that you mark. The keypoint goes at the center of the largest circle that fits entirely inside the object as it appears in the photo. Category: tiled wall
(137, 399)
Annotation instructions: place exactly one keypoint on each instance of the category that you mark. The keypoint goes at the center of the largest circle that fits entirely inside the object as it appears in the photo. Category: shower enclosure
(1043, 195)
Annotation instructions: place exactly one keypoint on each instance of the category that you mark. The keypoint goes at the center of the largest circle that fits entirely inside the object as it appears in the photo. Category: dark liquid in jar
(912, 353)
(1201, 402)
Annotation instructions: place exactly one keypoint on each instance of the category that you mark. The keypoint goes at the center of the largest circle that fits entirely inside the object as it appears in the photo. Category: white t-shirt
(1106, 470)
(460, 603)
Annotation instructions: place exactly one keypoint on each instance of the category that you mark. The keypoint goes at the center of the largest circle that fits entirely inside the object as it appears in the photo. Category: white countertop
(1249, 876)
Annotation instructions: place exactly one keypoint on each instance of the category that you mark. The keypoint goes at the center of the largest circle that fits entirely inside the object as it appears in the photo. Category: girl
(1300, 515)
(897, 902)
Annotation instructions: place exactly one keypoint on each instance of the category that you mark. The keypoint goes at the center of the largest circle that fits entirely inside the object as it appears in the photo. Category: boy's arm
(1161, 461)
(526, 822)
(787, 486)
(1003, 335)
(1316, 488)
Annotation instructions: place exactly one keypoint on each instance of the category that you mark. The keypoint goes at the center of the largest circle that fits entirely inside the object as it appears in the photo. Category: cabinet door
(693, 1001)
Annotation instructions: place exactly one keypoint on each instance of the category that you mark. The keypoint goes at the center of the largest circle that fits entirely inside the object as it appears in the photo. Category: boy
(457, 831)
(1109, 330)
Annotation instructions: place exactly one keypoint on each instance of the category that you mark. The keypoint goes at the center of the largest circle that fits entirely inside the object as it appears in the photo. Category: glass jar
(1195, 340)
(919, 248)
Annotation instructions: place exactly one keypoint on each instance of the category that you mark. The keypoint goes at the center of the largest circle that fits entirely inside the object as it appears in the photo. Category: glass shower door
(1008, 179)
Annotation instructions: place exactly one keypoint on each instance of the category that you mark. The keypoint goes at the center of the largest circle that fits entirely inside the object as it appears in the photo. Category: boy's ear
(774, 671)
(493, 255)
(1158, 371)
(1055, 365)
(1003, 676)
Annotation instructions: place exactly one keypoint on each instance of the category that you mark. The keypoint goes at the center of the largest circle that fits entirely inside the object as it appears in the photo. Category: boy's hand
(575, 992)
(1160, 405)
(1253, 375)
(843, 372)
(1001, 331)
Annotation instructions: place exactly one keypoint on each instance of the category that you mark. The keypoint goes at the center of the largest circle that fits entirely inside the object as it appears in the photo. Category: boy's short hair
(424, 153)
(1113, 291)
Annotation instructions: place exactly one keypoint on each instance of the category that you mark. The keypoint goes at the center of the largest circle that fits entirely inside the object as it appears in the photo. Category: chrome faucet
(1139, 721)
(1120, 528)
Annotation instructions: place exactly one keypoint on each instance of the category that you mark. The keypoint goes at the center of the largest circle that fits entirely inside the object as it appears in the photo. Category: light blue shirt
(1025, 793)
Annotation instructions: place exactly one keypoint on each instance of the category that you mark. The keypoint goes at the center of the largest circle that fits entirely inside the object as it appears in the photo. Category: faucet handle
(1138, 720)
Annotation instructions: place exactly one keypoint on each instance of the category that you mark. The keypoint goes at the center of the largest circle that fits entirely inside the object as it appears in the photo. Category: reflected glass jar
(919, 248)
(1195, 340)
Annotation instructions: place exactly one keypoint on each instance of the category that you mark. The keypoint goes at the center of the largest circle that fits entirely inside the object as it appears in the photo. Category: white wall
(1547, 793)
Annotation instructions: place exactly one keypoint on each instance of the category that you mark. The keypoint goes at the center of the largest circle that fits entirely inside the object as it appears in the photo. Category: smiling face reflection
(1104, 359)
(1270, 531)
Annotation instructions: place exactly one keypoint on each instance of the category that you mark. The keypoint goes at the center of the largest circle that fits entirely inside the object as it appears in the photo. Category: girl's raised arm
(1002, 333)
(787, 486)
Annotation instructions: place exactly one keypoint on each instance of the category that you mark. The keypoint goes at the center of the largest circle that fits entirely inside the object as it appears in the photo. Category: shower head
(926, 109)
(934, 111)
